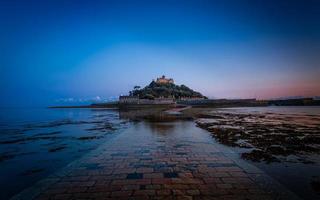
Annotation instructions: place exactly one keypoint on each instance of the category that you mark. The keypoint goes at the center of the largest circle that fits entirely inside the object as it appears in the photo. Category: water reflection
(151, 115)
(161, 128)
(156, 121)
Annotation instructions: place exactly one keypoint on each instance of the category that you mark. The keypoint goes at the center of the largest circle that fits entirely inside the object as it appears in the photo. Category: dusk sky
(57, 50)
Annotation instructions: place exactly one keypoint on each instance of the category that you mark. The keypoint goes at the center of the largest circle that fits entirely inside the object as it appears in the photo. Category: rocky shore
(269, 137)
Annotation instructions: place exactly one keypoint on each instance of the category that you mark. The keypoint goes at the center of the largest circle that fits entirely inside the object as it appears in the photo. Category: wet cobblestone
(147, 163)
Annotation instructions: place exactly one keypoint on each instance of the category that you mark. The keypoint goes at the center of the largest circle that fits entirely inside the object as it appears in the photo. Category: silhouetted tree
(137, 87)
(155, 90)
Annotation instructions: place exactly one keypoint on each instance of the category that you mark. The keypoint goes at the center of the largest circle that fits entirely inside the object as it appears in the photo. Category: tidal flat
(283, 141)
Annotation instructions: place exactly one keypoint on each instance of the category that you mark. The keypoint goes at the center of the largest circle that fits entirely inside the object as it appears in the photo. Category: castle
(164, 80)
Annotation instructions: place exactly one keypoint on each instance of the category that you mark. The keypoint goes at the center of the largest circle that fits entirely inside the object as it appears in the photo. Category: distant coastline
(204, 103)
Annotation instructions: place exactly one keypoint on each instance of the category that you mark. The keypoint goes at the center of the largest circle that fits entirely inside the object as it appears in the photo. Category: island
(163, 92)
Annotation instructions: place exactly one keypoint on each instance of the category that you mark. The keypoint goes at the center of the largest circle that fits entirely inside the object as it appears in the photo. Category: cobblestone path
(154, 161)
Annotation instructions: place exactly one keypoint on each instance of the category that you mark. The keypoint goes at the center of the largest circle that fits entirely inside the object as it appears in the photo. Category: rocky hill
(156, 90)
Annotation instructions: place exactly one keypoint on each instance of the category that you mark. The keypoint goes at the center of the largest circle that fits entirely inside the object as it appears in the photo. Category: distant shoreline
(116, 105)
(214, 103)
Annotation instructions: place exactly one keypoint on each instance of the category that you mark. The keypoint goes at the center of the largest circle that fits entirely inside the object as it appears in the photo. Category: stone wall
(136, 100)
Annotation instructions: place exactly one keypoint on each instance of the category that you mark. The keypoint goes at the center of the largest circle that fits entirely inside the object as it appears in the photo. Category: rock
(244, 144)
(277, 149)
(226, 127)
(206, 121)
(271, 134)
(259, 155)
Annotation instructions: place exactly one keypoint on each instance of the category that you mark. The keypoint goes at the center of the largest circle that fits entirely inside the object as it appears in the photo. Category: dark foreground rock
(269, 137)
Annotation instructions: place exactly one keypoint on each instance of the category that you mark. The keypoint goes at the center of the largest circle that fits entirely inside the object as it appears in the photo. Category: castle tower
(164, 80)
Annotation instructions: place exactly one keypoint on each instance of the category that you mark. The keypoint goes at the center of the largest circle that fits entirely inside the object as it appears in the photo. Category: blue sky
(53, 50)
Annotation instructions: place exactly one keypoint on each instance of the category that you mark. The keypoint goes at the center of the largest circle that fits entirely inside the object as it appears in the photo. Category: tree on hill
(156, 90)
(137, 87)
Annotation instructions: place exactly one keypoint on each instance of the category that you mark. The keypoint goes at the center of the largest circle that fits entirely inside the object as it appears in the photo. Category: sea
(35, 142)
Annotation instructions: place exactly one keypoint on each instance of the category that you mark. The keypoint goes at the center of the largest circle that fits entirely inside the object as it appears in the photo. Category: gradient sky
(72, 50)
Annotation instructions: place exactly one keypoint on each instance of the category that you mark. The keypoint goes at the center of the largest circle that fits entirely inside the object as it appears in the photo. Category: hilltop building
(164, 80)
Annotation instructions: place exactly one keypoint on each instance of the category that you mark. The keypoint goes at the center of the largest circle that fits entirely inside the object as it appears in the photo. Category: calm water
(36, 142)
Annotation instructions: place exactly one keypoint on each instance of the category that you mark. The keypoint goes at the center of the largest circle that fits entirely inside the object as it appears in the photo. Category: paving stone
(193, 192)
(135, 176)
(130, 187)
(161, 181)
(144, 192)
(170, 175)
(153, 175)
(121, 193)
(150, 166)
(224, 186)
(153, 187)
(144, 170)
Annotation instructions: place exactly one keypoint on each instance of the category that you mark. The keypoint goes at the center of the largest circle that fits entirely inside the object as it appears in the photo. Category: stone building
(164, 80)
